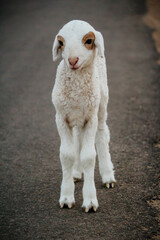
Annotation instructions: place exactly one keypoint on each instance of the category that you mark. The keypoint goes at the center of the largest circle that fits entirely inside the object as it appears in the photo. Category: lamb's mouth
(76, 67)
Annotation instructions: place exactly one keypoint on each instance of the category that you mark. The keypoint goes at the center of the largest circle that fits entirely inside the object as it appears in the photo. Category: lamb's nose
(73, 61)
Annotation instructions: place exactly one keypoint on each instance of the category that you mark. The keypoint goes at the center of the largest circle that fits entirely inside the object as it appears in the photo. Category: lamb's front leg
(77, 169)
(67, 158)
(88, 156)
(67, 186)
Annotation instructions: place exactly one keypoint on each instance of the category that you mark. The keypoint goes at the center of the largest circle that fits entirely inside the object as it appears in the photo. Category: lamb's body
(80, 98)
(76, 95)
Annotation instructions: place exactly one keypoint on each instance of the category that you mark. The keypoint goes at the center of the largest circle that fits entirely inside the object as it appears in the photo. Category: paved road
(30, 169)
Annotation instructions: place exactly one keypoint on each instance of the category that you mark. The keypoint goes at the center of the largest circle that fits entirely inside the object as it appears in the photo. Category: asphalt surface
(30, 172)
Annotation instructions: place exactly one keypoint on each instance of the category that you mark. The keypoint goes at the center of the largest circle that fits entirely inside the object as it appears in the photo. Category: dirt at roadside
(152, 19)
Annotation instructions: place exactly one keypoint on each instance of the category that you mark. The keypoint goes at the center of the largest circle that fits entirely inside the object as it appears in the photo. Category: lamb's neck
(83, 75)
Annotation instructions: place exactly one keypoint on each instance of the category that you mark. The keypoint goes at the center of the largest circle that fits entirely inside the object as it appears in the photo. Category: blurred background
(30, 171)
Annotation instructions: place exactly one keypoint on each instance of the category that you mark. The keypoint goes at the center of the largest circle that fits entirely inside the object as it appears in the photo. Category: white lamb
(80, 97)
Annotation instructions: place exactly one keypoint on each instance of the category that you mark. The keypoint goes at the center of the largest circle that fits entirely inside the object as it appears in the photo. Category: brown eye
(60, 42)
(89, 41)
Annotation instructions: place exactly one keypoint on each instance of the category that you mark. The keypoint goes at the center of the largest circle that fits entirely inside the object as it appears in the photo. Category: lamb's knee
(87, 157)
(67, 156)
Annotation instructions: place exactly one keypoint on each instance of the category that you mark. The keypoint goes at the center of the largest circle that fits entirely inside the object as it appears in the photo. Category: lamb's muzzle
(73, 62)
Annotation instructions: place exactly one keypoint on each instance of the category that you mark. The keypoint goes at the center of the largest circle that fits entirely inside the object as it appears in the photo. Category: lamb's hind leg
(67, 157)
(105, 163)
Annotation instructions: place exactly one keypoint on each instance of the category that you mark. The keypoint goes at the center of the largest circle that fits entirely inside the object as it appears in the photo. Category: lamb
(80, 97)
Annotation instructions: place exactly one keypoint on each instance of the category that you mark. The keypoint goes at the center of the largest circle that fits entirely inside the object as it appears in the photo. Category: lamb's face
(77, 50)
(77, 42)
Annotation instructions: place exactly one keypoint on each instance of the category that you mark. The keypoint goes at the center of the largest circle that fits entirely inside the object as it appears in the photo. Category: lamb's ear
(56, 50)
(99, 42)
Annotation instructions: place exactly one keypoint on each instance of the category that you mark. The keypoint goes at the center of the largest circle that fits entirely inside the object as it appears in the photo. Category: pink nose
(73, 61)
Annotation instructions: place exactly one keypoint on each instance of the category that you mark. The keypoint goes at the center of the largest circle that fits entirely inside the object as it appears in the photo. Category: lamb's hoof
(87, 209)
(66, 202)
(90, 206)
(69, 205)
(110, 185)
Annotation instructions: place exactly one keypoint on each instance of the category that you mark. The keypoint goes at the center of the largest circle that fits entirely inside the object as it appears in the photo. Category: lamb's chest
(77, 104)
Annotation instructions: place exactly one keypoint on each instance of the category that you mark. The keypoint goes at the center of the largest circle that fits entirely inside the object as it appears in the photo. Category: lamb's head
(78, 43)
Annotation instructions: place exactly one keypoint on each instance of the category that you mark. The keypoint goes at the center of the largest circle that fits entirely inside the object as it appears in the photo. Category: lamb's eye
(60, 42)
(89, 41)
